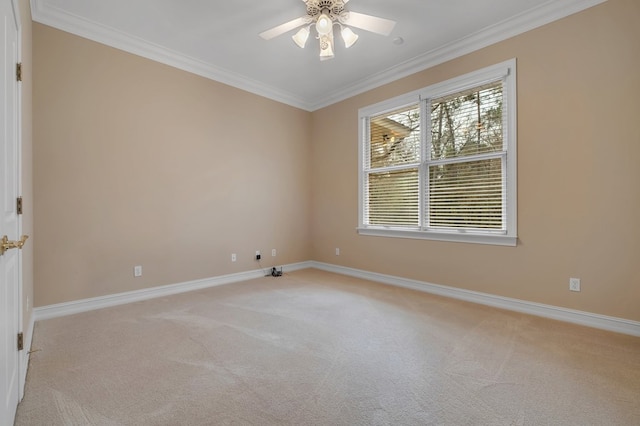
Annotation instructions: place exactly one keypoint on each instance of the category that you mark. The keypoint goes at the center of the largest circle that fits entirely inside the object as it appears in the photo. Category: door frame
(23, 358)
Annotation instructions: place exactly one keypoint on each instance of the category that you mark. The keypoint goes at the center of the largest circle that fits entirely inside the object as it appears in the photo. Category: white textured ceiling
(219, 39)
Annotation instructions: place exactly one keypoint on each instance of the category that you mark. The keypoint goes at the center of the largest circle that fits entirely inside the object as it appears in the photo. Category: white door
(9, 219)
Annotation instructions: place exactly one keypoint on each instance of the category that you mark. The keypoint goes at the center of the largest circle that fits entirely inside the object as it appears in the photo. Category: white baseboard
(84, 305)
(603, 322)
(618, 325)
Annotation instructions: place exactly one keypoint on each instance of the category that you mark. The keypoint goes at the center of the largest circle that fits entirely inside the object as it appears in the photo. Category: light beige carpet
(314, 348)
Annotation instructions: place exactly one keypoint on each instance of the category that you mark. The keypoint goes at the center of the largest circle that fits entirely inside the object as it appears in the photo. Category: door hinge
(19, 71)
(19, 205)
(20, 341)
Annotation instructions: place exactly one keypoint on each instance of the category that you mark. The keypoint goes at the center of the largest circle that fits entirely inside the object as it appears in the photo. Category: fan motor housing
(334, 7)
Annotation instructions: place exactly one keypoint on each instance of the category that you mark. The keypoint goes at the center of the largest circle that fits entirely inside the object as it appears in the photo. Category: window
(440, 163)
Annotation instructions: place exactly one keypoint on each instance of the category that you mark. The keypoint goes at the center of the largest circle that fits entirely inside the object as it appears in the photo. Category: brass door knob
(6, 244)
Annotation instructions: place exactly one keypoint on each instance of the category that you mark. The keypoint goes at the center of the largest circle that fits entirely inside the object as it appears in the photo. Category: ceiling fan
(325, 14)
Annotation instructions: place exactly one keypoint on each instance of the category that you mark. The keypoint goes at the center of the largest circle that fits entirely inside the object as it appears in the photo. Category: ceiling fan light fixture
(324, 24)
(326, 47)
(323, 15)
(349, 37)
(300, 38)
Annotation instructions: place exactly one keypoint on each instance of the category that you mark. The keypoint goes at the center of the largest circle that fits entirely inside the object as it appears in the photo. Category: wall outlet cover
(574, 284)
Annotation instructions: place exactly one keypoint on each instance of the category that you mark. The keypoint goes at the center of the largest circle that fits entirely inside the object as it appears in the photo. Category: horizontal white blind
(393, 198)
(467, 161)
(466, 195)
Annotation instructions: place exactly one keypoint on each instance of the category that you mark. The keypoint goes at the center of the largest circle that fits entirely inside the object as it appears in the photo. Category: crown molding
(80, 26)
(546, 13)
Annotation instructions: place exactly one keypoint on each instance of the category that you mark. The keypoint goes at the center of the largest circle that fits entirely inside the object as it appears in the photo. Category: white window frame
(505, 71)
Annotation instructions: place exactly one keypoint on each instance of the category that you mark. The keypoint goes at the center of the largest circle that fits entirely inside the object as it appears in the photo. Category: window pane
(442, 164)
(467, 123)
(395, 138)
(393, 198)
(466, 195)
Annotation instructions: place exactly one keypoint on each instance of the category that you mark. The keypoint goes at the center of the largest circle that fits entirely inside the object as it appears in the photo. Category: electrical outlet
(337, 251)
(233, 257)
(574, 284)
(258, 256)
(137, 271)
(273, 252)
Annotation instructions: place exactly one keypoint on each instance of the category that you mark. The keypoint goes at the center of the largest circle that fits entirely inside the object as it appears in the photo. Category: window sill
(458, 237)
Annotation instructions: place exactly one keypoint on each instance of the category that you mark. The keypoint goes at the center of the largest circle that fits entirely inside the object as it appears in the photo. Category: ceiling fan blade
(370, 23)
(283, 28)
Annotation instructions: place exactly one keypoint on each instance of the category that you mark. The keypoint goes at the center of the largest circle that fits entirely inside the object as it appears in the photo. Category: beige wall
(138, 163)
(27, 162)
(578, 173)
